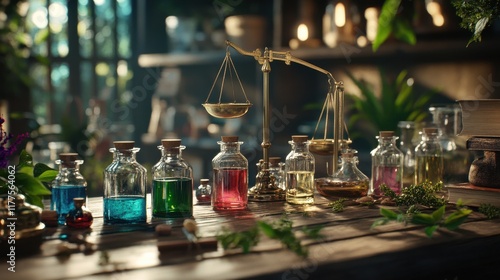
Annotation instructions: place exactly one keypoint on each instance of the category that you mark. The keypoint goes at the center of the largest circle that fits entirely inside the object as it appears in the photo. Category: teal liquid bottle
(172, 193)
(124, 186)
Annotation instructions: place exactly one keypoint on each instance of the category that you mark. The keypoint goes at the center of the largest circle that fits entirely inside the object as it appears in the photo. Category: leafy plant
(338, 205)
(431, 221)
(396, 102)
(490, 211)
(477, 15)
(395, 21)
(281, 230)
(421, 194)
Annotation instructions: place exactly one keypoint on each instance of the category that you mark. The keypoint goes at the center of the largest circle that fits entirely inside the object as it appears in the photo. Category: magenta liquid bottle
(230, 171)
(387, 165)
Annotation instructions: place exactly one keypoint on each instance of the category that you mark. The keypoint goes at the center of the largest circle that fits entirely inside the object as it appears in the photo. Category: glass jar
(172, 194)
(277, 171)
(68, 184)
(387, 164)
(80, 216)
(299, 169)
(204, 192)
(347, 182)
(124, 186)
(429, 158)
(230, 171)
(407, 147)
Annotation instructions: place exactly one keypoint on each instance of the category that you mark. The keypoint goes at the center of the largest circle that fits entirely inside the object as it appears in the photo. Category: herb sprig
(490, 211)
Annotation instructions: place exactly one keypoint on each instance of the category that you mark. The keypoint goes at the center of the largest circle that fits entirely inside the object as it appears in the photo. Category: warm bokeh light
(362, 41)
(302, 32)
(371, 15)
(340, 16)
(172, 22)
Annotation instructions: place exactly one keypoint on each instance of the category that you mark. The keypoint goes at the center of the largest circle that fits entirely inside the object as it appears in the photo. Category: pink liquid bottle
(230, 181)
(387, 164)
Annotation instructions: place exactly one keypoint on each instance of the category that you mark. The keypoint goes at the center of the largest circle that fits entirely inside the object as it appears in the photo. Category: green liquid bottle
(429, 158)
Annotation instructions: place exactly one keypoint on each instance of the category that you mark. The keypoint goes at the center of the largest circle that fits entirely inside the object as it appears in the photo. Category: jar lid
(386, 134)
(229, 138)
(66, 157)
(299, 138)
(124, 145)
(274, 160)
(430, 130)
(171, 143)
(204, 181)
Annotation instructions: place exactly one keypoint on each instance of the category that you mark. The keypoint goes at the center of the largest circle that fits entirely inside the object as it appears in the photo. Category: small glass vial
(277, 171)
(68, 184)
(429, 158)
(230, 171)
(407, 147)
(348, 181)
(299, 169)
(172, 193)
(124, 186)
(204, 192)
(387, 164)
(80, 216)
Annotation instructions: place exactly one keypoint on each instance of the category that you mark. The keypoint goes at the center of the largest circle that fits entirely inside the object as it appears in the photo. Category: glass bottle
(387, 164)
(124, 186)
(429, 158)
(407, 147)
(204, 192)
(299, 169)
(80, 216)
(277, 171)
(172, 193)
(68, 184)
(348, 181)
(230, 167)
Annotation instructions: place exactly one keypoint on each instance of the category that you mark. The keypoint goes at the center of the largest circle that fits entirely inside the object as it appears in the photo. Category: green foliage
(477, 15)
(422, 194)
(490, 211)
(338, 205)
(431, 221)
(281, 230)
(393, 20)
(396, 102)
(30, 179)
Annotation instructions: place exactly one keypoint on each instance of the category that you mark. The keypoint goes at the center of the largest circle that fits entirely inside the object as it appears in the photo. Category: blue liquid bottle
(124, 186)
(68, 184)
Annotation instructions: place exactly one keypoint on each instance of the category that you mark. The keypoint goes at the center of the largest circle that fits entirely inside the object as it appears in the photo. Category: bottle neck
(230, 147)
(299, 147)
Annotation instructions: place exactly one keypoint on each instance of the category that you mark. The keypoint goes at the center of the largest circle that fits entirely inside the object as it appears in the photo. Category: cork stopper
(430, 130)
(78, 202)
(386, 134)
(349, 153)
(171, 143)
(229, 138)
(299, 138)
(67, 157)
(204, 181)
(124, 145)
(274, 160)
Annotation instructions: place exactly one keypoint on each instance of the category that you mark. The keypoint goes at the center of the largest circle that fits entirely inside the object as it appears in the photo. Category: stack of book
(481, 122)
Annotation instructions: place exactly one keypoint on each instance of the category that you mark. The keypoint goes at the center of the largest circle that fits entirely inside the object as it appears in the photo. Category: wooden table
(350, 250)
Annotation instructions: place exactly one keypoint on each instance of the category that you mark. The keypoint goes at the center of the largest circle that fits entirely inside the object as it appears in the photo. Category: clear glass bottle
(429, 158)
(68, 184)
(230, 184)
(172, 194)
(204, 192)
(407, 147)
(348, 181)
(80, 216)
(387, 164)
(277, 171)
(299, 169)
(124, 186)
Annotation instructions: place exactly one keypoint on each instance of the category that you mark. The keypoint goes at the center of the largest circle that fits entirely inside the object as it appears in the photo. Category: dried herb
(490, 211)
(421, 194)
(337, 205)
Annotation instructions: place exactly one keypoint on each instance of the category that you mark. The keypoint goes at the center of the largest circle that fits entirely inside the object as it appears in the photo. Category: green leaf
(30, 185)
(48, 176)
(455, 219)
(438, 214)
(40, 168)
(389, 214)
(404, 31)
(379, 222)
(385, 22)
(267, 229)
(429, 231)
(25, 159)
(422, 219)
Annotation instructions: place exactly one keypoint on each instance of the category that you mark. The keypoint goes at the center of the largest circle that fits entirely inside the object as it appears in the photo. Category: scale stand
(266, 188)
